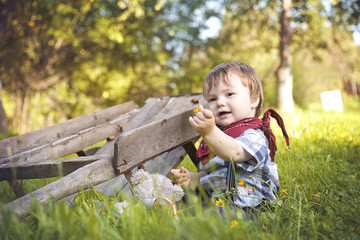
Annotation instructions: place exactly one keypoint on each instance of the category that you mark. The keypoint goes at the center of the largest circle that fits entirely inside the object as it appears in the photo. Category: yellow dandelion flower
(283, 191)
(283, 141)
(196, 110)
(241, 183)
(234, 223)
(220, 203)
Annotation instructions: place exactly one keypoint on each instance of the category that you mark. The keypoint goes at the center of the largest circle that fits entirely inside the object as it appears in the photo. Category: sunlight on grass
(319, 179)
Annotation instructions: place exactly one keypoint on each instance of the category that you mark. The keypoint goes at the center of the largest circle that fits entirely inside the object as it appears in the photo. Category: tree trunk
(3, 120)
(4, 11)
(24, 123)
(284, 73)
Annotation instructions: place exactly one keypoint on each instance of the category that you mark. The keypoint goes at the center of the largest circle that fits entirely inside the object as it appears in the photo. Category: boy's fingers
(207, 113)
(175, 172)
(191, 120)
(194, 122)
(201, 108)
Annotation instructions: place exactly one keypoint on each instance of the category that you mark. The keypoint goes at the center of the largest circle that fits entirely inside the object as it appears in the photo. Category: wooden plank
(144, 143)
(159, 108)
(45, 169)
(85, 177)
(27, 141)
(72, 143)
(155, 109)
(161, 164)
(100, 171)
(148, 113)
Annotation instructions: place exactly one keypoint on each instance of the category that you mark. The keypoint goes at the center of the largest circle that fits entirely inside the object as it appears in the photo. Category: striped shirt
(258, 177)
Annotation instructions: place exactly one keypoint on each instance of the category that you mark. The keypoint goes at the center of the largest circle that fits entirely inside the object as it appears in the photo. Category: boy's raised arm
(219, 143)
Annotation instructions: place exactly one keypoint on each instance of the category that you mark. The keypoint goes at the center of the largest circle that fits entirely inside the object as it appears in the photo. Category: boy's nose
(220, 102)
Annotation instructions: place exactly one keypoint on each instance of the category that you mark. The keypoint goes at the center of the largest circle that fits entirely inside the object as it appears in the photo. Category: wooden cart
(157, 135)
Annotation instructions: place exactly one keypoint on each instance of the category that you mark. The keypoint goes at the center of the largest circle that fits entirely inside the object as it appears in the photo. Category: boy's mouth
(223, 113)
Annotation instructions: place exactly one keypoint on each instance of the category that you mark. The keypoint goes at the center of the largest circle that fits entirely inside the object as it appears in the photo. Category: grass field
(320, 197)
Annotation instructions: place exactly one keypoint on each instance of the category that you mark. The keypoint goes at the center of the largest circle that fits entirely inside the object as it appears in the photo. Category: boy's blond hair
(247, 75)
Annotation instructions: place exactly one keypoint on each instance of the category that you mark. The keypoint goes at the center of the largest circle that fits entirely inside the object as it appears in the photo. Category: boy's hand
(203, 122)
(182, 176)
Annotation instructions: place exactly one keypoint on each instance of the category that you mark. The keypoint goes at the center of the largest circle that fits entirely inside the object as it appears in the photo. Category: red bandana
(237, 128)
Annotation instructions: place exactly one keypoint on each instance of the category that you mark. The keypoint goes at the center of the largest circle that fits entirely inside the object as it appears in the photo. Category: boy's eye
(212, 99)
(230, 94)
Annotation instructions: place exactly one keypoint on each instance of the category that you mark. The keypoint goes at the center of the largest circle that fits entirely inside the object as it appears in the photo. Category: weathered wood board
(155, 109)
(147, 142)
(44, 169)
(67, 137)
(82, 178)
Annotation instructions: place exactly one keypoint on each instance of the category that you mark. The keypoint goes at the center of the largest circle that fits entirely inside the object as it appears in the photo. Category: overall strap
(230, 181)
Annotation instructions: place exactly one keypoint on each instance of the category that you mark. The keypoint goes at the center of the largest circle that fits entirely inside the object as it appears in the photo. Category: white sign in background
(332, 100)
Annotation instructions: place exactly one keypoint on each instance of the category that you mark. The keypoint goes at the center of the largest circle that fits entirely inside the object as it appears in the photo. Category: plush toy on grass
(155, 191)
(154, 186)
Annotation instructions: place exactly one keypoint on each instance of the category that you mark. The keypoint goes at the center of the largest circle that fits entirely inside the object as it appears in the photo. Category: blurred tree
(284, 72)
(250, 34)
(4, 11)
(64, 59)
(324, 55)
(346, 13)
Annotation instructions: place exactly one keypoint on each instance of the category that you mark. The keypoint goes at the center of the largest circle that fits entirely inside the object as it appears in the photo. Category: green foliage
(319, 198)
(55, 55)
(324, 56)
(63, 59)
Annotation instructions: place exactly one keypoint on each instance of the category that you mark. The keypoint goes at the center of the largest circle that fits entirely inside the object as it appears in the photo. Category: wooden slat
(149, 112)
(45, 169)
(16, 187)
(72, 143)
(85, 177)
(157, 109)
(191, 151)
(100, 171)
(35, 139)
(144, 143)
(162, 165)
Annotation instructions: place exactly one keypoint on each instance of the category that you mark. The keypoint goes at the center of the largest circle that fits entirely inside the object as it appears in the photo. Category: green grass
(319, 172)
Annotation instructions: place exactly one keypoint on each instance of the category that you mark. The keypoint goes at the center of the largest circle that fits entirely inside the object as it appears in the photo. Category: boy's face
(231, 102)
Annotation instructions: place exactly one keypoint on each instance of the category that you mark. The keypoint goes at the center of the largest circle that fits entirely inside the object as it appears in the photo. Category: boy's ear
(255, 103)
